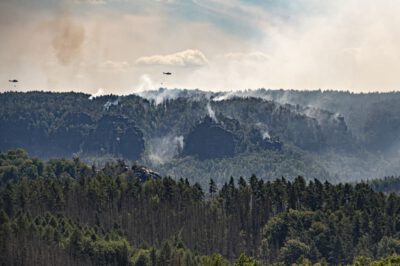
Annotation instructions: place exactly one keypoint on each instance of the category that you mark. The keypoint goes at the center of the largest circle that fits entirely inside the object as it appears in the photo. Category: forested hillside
(64, 212)
(372, 117)
(335, 136)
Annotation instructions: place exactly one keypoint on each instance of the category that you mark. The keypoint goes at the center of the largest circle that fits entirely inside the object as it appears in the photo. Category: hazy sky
(123, 46)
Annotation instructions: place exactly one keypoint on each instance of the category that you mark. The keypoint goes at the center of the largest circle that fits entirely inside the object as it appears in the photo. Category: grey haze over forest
(332, 135)
(199, 132)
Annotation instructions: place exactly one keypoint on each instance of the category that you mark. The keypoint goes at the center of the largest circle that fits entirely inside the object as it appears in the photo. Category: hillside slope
(189, 133)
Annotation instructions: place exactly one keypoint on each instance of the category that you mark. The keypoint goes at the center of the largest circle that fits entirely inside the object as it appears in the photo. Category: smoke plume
(211, 113)
(164, 149)
(68, 40)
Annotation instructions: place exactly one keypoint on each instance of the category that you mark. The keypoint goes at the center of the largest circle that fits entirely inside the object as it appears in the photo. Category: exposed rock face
(17, 132)
(73, 133)
(115, 135)
(69, 135)
(272, 144)
(209, 140)
(290, 125)
(264, 143)
(332, 127)
(144, 173)
(44, 140)
(66, 141)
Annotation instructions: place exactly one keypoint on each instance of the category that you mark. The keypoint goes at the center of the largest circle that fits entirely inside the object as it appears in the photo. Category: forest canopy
(66, 212)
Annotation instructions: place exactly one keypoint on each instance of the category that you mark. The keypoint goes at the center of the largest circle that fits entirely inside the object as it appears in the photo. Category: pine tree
(212, 187)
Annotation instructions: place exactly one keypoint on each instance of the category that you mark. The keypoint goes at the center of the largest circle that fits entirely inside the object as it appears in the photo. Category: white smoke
(265, 135)
(263, 130)
(161, 95)
(164, 149)
(180, 143)
(145, 83)
(222, 96)
(108, 104)
(99, 92)
(211, 113)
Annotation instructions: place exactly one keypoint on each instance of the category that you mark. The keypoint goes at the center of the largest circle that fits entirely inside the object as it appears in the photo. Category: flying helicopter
(15, 81)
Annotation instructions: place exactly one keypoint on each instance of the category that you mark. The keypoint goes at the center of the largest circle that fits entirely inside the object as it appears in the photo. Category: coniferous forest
(199, 133)
(65, 212)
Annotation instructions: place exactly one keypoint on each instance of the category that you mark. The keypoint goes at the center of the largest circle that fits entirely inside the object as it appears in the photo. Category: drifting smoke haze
(211, 113)
(68, 40)
(161, 95)
(164, 149)
(263, 130)
(124, 46)
(99, 92)
(108, 104)
(145, 84)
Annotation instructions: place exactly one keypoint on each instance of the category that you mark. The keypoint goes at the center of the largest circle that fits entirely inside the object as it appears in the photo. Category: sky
(124, 46)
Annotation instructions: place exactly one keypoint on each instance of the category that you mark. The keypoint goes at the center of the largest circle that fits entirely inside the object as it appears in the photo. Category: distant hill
(330, 135)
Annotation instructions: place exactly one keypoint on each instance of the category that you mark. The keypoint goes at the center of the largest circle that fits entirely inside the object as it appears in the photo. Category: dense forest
(329, 135)
(65, 212)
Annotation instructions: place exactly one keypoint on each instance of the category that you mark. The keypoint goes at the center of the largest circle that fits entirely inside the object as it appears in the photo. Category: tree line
(64, 212)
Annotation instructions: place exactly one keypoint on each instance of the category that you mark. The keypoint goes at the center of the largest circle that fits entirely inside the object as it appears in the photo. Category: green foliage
(385, 261)
(141, 258)
(388, 246)
(293, 250)
(362, 261)
(109, 216)
(214, 260)
(244, 260)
